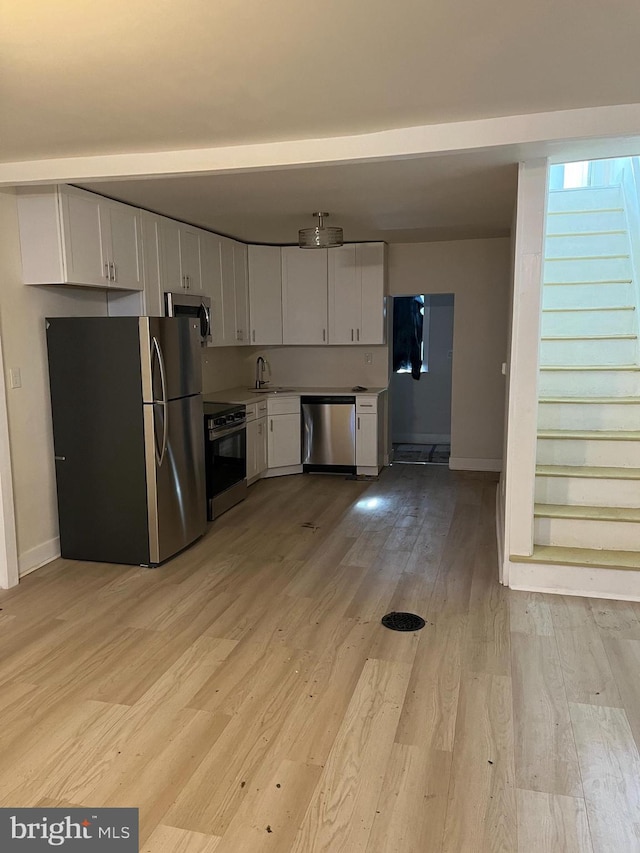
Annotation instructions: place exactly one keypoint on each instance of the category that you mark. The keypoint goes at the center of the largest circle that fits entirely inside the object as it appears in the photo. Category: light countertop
(246, 395)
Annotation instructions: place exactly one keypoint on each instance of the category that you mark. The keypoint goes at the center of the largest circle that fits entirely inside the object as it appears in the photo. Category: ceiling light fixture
(320, 237)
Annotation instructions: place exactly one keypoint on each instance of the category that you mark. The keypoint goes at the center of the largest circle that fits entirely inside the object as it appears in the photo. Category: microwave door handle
(206, 331)
(162, 402)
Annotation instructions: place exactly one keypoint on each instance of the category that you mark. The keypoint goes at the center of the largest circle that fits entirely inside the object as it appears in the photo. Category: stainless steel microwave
(178, 304)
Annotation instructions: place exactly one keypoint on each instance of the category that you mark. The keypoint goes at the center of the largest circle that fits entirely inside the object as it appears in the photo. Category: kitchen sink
(275, 390)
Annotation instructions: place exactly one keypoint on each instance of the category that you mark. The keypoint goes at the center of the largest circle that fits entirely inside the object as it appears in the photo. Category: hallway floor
(246, 698)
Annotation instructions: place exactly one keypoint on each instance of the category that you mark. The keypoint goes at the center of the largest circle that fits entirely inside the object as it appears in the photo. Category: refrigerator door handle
(162, 402)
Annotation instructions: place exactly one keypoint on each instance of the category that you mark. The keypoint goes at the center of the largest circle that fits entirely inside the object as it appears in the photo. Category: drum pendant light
(320, 237)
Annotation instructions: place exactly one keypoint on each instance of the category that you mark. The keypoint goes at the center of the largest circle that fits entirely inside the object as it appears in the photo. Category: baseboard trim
(459, 463)
(500, 535)
(282, 472)
(421, 438)
(586, 581)
(37, 557)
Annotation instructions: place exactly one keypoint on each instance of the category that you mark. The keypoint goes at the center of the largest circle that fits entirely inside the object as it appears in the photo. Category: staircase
(587, 510)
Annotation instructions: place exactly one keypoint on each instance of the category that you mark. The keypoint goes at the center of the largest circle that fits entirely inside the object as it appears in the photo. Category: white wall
(328, 366)
(477, 272)
(421, 410)
(22, 326)
(223, 367)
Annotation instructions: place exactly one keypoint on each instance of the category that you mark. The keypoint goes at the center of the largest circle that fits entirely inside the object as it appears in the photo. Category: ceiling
(421, 199)
(87, 78)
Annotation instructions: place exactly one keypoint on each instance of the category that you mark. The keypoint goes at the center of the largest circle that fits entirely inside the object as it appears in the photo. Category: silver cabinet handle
(259, 429)
(366, 405)
(352, 334)
(271, 427)
(188, 282)
(358, 423)
(60, 458)
(107, 273)
(324, 334)
(358, 333)
(253, 336)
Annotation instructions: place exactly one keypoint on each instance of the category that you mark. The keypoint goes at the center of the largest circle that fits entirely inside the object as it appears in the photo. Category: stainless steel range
(226, 456)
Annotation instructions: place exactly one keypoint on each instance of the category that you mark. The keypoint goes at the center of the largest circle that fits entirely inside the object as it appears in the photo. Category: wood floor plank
(341, 812)
(610, 767)
(529, 613)
(481, 812)
(624, 658)
(169, 839)
(546, 758)
(549, 823)
(428, 716)
(413, 802)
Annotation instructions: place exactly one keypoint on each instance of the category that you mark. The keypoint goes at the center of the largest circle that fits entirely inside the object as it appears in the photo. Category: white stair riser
(607, 416)
(589, 383)
(577, 223)
(589, 322)
(588, 269)
(598, 198)
(587, 491)
(594, 295)
(569, 451)
(587, 245)
(586, 533)
(609, 351)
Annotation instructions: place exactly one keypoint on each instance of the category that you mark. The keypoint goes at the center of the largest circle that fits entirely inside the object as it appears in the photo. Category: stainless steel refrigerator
(128, 436)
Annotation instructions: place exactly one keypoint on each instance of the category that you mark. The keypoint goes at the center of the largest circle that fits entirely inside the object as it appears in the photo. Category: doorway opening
(420, 387)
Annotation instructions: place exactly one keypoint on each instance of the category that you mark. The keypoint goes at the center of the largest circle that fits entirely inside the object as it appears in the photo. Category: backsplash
(223, 367)
(321, 366)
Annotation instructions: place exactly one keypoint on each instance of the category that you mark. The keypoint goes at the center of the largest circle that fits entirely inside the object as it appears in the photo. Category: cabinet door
(283, 440)
(212, 284)
(367, 440)
(261, 445)
(123, 223)
(252, 450)
(153, 295)
(190, 275)
(304, 296)
(265, 294)
(344, 296)
(86, 256)
(372, 266)
(229, 328)
(171, 275)
(241, 284)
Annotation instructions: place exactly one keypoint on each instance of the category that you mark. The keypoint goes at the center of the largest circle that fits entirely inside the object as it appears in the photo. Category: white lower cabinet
(256, 440)
(369, 433)
(283, 435)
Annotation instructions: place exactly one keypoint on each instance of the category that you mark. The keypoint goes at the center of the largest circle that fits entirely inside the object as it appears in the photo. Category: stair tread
(588, 471)
(590, 367)
(589, 308)
(592, 513)
(605, 559)
(596, 400)
(622, 337)
(603, 281)
(596, 434)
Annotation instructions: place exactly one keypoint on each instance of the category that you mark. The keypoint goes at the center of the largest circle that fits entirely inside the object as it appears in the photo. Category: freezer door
(174, 452)
(170, 355)
(328, 434)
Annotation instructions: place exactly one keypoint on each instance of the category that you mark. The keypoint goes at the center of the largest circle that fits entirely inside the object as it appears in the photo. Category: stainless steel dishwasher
(329, 434)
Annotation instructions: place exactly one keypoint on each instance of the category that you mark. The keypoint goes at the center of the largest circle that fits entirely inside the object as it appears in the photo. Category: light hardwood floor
(246, 698)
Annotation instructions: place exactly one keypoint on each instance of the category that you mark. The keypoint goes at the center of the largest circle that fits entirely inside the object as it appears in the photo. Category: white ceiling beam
(558, 135)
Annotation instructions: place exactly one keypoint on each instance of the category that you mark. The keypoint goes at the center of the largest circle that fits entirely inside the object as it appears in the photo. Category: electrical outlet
(15, 378)
(368, 358)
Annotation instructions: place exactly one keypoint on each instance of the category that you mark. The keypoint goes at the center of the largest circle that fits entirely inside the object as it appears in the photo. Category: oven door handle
(225, 432)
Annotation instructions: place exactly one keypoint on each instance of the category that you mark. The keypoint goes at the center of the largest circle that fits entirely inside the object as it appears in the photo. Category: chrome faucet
(261, 365)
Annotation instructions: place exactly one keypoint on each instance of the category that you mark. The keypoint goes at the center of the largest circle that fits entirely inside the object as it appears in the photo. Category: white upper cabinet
(149, 301)
(304, 296)
(265, 294)
(180, 257)
(70, 236)
(212, 283)
(241, 291)
(345, 296)
(356, 294)
(229, 327)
